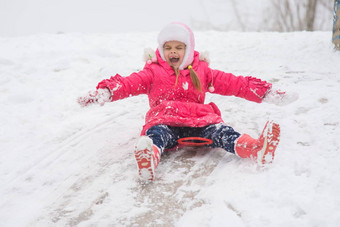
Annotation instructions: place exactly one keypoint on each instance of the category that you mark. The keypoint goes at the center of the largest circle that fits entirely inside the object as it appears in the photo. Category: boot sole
(271, 141)
(145, 163)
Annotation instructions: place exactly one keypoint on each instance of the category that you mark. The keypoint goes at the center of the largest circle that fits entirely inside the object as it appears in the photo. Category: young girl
(176, 79)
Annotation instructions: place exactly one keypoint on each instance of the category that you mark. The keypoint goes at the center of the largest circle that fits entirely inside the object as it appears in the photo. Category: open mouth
(174, 60)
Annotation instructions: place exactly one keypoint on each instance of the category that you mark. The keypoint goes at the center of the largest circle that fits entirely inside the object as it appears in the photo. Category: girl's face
(174, 53)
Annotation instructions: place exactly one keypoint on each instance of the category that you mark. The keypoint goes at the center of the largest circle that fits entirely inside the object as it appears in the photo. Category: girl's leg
(163, 136)
(149, 148)
(261, 149)
(222, 136)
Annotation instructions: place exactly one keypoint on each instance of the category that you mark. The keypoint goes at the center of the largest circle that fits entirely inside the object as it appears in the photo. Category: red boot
(262, 149)
(147, 156)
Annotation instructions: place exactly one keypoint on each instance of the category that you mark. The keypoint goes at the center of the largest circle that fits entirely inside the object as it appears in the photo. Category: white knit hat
(178, 32)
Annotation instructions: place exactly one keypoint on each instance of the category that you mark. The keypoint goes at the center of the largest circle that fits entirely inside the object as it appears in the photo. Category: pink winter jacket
(182, 105)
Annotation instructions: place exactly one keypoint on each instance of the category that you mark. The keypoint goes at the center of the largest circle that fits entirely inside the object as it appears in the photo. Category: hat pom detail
(211, 89)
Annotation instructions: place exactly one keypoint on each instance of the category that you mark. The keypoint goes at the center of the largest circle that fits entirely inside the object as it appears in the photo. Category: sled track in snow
(180, 175)
(179, 178)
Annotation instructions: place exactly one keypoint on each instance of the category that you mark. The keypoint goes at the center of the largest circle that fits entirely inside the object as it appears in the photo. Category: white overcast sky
(24, 17)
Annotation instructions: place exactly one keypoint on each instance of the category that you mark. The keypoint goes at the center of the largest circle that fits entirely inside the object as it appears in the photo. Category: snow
(63, 165)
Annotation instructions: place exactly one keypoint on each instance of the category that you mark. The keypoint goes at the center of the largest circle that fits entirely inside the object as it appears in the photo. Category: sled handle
(194, 141)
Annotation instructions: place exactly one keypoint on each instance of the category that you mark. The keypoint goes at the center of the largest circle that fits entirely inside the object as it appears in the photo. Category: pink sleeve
(249, 88)
(123, 87)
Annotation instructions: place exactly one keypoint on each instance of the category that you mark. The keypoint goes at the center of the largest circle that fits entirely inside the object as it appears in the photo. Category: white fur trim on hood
(204, 56)
(178, 32)
(149, 55)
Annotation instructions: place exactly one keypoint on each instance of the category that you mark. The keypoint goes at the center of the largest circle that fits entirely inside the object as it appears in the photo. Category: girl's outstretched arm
(248, 87)
(123, 87)
(251, 88)
(118, 87)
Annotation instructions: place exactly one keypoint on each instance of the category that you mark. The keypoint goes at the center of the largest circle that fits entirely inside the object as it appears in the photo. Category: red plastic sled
(194, 141)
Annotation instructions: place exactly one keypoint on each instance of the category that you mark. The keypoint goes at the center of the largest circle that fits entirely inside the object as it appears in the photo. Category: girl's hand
(280, 98)
(99, 96)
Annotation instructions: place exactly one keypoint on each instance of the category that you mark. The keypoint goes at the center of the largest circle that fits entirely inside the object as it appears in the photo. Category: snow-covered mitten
(99, 96)
(280, 98)
(147, 156)
(262, 149)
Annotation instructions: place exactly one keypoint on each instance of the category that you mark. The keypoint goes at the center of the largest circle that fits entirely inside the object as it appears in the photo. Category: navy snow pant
(165, 137)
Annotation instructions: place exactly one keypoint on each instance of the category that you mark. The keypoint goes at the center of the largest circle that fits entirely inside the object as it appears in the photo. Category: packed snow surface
(63, 165)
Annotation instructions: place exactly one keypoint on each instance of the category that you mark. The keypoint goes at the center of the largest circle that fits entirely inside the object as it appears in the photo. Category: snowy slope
(63, 165)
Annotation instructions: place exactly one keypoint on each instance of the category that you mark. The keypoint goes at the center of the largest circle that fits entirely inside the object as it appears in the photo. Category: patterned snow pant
(165, 137)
